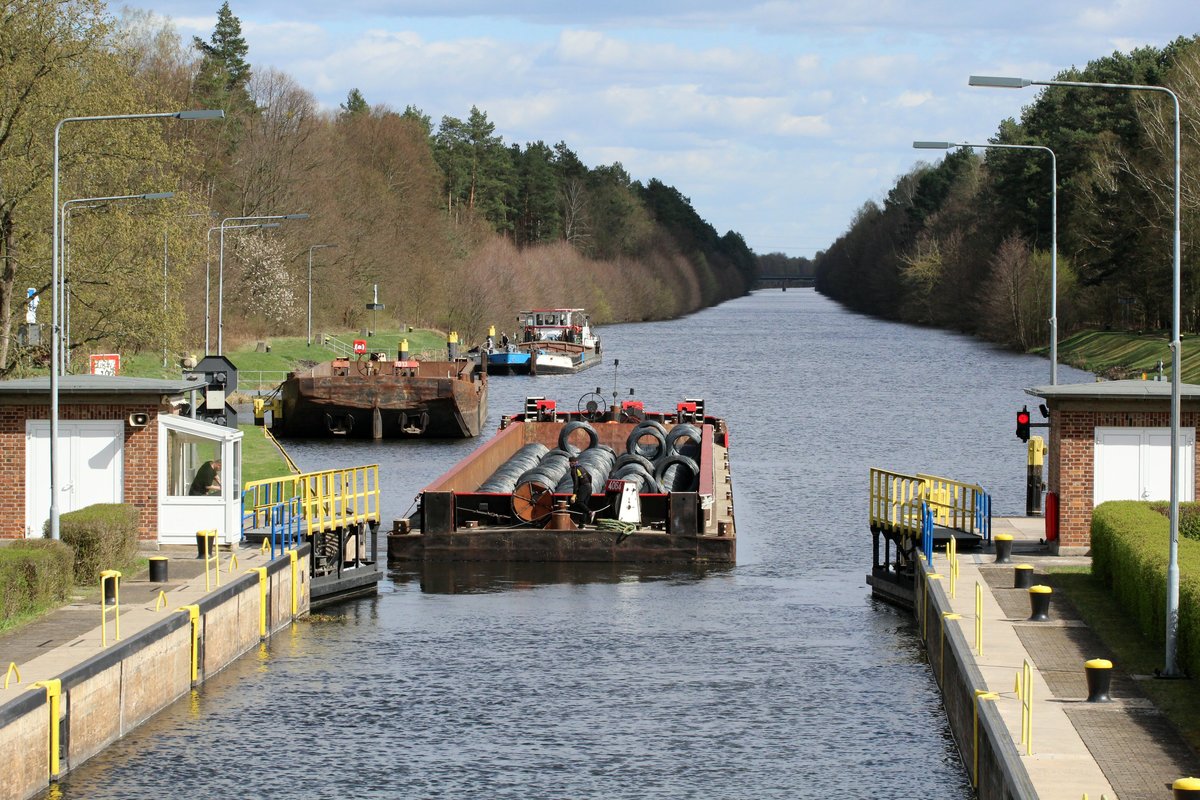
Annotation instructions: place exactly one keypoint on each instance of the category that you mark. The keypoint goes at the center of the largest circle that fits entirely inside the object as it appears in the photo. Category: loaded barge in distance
(662, 491)
(373, 396)
(551, 341)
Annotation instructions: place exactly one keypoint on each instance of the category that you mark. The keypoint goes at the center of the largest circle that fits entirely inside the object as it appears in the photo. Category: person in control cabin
(581, 492)
(208, 479)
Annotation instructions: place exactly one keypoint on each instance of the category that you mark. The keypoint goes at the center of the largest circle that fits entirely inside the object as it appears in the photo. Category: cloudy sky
(777, 118)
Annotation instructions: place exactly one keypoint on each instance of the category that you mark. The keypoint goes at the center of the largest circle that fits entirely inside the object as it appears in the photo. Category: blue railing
(927, 532)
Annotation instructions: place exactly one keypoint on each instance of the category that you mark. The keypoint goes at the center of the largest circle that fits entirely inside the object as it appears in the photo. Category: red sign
(106, 364)
(360, 347)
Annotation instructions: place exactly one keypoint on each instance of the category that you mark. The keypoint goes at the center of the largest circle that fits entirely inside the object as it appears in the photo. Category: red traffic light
(1023, 424)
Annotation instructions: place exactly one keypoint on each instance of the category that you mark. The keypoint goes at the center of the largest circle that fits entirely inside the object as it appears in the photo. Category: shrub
(104, 536)
(1130, 544)
(1189, 518)
(34, 573)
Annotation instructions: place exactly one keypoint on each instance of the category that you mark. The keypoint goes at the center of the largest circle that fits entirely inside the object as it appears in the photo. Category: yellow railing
(326, 500)
(952, 502)
(896, 500)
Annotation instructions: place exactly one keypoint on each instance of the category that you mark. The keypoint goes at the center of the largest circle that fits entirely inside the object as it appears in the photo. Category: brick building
(1111, 440)
(121, 440)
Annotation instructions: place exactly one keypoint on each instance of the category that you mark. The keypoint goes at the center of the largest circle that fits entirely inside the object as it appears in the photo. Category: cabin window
(186, 454)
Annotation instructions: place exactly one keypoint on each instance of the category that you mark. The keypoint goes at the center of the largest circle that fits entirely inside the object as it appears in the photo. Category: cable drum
(597, 462)
(564, 437)
(678, 474)
(653, 451)
(504, 479)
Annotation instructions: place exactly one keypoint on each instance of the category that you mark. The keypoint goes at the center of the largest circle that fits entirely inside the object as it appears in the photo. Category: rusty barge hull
(455, 522)
(383, 400)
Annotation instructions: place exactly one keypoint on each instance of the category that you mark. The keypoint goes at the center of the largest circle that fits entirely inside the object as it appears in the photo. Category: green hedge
(1130, 542)
(34, 573)
(104, 536)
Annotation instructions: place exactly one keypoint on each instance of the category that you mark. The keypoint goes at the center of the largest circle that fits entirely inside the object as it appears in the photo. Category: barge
(550, 341)
(662, 491)
(376, 397)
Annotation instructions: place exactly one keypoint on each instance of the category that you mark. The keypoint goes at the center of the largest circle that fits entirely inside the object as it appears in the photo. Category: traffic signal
(1023, 424)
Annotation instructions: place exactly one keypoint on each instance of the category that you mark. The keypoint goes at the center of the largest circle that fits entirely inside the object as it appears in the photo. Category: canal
(778, 678)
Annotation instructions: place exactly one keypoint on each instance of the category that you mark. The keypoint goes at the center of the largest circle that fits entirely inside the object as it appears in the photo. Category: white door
(90, 470)
(1135, 464)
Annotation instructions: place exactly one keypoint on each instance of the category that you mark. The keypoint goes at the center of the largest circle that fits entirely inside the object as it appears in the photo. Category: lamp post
(1053, 231)
(310, 252)
(1171, 667)
(61, 292)
(54, 343)
(221, 268)
(208, 263)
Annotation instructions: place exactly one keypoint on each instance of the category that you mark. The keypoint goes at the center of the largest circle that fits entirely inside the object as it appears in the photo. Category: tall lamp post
(221, 268)
(61, 292)
(54, 242)
(1171, 668)
(207, 271)
(310, 252)
(1053, 231)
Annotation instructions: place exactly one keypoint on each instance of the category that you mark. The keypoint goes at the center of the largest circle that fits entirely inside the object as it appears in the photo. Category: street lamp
(221, 268)
(54, 343)
(310, 252)
(207, 269)
(1053, 232)
(1171, 668)
(61, 293)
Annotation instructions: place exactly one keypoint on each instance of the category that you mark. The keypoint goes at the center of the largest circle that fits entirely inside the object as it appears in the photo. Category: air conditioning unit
(139, 420)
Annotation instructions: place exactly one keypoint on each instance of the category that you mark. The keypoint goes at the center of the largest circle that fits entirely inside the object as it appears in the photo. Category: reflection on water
(777, 678)
(481, 578)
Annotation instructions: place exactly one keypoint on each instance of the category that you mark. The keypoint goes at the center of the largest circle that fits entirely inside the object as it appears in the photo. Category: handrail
(958, 505)
(325, 500)
(895, 500)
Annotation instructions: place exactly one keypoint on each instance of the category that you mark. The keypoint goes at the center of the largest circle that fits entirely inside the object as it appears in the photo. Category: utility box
(218, 377)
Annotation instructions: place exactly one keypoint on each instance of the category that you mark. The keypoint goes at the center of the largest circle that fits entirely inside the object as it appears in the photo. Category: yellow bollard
(115, 577)
(262, 600)
(194, 616)
(980, 694)
(12, 667)
(53, 689)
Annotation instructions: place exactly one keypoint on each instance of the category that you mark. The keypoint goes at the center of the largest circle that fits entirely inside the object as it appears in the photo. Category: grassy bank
(1118, 354)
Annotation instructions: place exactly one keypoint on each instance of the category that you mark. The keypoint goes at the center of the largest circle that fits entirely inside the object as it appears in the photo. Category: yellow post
(266, 545)
(161, 600)
(295, 586)
(194, 617)
(980, 694)
(115, 577)
(233, 562)
(262, 600)
(942, 658)
(978, 618)
(53, 689)
(1027, 708)
(213, 559)
(12, 667)
(933, 576)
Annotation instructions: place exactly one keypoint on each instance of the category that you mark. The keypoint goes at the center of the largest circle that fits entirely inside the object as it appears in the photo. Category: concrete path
(72, 634)
(1122, 749)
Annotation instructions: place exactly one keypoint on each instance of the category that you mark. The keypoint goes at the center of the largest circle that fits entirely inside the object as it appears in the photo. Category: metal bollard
(1004, 545)
(1186, 788)
(1022, 576)
(109, 579)
(203, 538)
(1039, 603)
(158, 569)
(1099, 679)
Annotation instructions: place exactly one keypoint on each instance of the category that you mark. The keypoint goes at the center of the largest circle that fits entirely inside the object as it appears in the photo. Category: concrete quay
(1120, 749)
(95, 688)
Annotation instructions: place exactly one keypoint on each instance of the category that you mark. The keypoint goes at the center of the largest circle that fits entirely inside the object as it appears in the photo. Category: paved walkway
(1124, 749)
(72, 634)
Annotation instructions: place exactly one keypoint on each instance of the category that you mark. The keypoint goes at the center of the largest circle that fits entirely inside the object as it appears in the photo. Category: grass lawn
(1133, 653)
(1098, 351)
